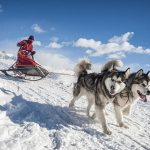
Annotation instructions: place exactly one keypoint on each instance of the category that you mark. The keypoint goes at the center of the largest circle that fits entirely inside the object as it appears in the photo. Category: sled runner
(29, 72)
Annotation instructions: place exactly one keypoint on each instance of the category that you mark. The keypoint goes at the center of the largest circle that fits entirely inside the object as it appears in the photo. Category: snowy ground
(35, 116)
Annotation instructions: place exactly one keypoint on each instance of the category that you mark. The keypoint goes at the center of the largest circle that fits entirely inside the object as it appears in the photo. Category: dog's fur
(82, 67)
(138, 86)
(99, 88)
(112, 65)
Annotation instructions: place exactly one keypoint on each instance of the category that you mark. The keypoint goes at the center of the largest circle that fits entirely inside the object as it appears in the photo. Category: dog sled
(31, 72)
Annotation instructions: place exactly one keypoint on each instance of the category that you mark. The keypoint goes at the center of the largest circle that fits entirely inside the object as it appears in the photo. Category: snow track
(35, 116)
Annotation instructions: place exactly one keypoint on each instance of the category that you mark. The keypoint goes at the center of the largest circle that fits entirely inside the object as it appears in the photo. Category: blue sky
(71, 29)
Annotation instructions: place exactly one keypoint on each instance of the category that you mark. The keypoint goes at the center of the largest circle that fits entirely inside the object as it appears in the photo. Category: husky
(99, 88)
(138, 86)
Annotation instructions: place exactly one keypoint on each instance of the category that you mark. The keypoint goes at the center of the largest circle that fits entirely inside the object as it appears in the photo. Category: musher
(26, 52)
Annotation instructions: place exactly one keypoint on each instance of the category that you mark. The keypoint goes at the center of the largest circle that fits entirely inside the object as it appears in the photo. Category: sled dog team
(121, 88)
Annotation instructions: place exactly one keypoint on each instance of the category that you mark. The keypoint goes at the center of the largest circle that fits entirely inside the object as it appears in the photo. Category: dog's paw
(71, 105)
(107, 131)
(125, 113)
(93, 116)
(123, 125)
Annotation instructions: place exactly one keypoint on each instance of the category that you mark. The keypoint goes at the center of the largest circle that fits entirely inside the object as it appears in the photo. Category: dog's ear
(139, 73)
(127, 73)
(88, 66)
(148, 74)
(111, 68)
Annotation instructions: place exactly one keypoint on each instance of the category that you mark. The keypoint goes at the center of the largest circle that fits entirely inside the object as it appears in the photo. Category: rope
(61, 73)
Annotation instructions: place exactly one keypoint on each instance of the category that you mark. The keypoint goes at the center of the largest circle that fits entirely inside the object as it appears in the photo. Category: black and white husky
(138, 87)
(100, 89)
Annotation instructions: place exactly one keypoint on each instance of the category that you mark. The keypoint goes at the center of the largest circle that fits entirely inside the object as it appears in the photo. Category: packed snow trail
(36, 116)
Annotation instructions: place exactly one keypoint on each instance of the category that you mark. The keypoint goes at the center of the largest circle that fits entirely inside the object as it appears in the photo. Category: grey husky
(101, 88)
(138, 86)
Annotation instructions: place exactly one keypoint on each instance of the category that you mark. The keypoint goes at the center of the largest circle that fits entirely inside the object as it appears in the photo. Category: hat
(31, 37)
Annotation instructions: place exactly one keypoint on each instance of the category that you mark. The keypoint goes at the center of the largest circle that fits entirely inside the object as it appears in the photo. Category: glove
(19, 45)
(33, 52)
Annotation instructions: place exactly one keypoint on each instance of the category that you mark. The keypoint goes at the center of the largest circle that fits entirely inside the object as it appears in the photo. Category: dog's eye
(112, 80)
(119, 81)
(143, 85)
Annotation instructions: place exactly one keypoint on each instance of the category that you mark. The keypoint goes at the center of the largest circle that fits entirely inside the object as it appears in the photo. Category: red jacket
(25, 45)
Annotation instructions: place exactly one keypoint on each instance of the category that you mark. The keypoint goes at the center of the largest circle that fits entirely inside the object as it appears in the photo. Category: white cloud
(124, 38)
(1, 9)
(147, 65)
(89, 51)
(118, 55)
(36, 28)
(147, 51)
(55, 45)
(117, 44)
(87, 43)
(37, 43)
(54, 61)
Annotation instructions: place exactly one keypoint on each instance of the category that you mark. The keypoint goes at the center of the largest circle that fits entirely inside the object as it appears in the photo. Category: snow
(4, 55)
(36, 116)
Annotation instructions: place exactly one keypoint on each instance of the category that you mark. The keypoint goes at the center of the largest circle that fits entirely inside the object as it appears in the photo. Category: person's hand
(33, 52)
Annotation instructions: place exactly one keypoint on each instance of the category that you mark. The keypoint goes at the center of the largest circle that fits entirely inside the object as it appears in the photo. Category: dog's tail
(82, 67)
(112, 65)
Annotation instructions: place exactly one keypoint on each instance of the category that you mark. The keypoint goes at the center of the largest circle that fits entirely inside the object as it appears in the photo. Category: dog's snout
(148, 92)
(112, 87)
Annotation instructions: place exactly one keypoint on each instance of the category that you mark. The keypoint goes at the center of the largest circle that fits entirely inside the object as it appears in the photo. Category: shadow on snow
(20, 110)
